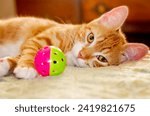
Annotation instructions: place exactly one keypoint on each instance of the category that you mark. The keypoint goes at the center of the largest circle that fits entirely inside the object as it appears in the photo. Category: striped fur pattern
(94, 44)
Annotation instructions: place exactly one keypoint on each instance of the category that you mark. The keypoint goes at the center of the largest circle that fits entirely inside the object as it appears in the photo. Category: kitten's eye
(101, 58)
(90, 38)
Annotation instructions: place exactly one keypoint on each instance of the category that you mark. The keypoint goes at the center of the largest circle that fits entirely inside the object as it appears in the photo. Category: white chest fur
(71, 60)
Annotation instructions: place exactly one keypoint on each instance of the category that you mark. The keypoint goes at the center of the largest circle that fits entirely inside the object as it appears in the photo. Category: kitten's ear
(134, 51)
(114, 18)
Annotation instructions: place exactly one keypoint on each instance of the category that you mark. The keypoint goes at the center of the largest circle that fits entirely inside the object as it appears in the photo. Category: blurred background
(136, 28)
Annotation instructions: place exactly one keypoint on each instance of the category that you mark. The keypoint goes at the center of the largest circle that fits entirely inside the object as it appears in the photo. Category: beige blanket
(129, 80)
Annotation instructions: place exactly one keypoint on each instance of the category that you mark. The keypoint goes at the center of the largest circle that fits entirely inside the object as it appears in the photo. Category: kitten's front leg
(25, 65)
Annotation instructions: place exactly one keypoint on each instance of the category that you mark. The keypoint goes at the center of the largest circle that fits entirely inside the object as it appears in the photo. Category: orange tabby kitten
(98, 43)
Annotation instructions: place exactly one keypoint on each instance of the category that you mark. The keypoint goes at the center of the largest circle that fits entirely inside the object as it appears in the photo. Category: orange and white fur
(95, 44)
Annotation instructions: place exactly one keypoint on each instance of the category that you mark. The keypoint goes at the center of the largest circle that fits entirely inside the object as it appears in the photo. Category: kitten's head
(101, 42)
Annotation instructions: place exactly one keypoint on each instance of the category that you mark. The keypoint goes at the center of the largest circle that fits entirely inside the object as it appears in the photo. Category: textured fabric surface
(129, 80)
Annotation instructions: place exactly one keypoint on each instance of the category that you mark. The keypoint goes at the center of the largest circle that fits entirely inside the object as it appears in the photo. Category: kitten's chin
(81, 63)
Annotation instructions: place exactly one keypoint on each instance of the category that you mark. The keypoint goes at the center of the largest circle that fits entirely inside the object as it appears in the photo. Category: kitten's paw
(4, 67)
(25, 72)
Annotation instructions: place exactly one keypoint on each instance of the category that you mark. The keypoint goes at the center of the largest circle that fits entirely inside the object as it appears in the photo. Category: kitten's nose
(80, 55)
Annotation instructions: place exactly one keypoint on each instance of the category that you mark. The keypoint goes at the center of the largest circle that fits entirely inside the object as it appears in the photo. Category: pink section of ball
(42, 61)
